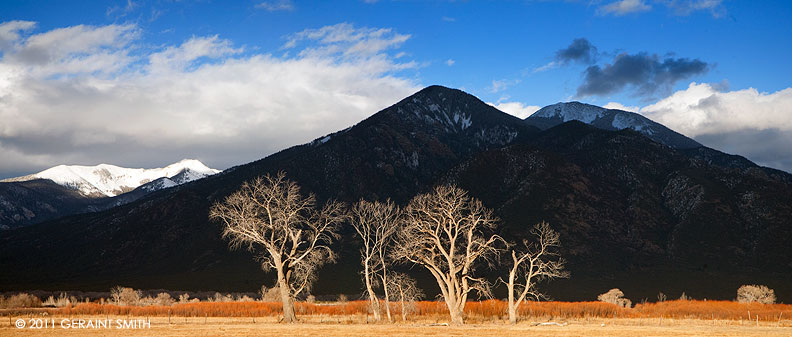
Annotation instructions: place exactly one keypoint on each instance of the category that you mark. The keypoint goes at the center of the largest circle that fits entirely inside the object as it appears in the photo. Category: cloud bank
(747, 122)
(90, 94)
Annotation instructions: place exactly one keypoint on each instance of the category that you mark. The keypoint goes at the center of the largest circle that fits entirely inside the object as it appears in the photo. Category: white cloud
(516, 109)
(624, 7)
(176, 58)
(551, 65)
(276, 5)
(687, 7)
(92, 96)
(10, 32)
(345, 40)
(450, 62)
(747, 122)
(619, 106)
(701, 109)
(500, 85)
(72, 50)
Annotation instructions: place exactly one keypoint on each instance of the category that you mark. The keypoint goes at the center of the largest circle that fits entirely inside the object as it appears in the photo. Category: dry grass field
(356, 326)
(485, 318)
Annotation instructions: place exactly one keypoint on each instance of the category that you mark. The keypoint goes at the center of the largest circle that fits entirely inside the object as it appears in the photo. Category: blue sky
(505, 52)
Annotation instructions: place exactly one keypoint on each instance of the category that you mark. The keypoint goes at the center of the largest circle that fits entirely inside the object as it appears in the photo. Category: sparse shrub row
(490, 309)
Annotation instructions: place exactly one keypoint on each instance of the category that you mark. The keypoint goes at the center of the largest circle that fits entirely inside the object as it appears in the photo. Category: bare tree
(271, 217)
(375, 223)
(446, 232)
(404, 288)
(532, 265)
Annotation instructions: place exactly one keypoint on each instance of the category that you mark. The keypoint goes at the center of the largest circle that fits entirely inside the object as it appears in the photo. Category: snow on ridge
(586, 113)
(630, 121)
(111, 180)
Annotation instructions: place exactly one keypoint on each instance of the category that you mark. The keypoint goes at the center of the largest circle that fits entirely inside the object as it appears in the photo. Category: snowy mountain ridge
(608, 119)
(106, 180)
(585, 113)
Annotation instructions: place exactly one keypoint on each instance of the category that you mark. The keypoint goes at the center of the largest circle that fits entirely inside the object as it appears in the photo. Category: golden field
(485, 318)
(356, 326)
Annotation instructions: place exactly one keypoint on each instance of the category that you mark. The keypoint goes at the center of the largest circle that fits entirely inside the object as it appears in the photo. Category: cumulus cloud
(276, 5)
(646, 74)
(89, 94)
(754, 124)
(516, 109)
(450, 62)
(623, 7)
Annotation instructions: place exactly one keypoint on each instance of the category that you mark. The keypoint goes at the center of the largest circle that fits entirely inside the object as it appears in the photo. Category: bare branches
(446, 232)
(269, 215)
(375, 223)
(532, 265)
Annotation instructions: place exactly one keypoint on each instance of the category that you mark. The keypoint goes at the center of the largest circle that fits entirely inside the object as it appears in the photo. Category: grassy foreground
(355, 326)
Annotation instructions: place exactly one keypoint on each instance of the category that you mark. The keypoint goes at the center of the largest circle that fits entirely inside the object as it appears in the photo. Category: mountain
(109, 180)
(632, 213)
(608, 119)
(66, 190)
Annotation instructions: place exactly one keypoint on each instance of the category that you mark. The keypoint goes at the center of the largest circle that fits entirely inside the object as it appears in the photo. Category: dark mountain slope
(628, 208)
(166, 240)
(32, 201)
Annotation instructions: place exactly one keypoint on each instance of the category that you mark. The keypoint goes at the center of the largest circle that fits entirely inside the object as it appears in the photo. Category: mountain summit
(608, 119)
(106, 180)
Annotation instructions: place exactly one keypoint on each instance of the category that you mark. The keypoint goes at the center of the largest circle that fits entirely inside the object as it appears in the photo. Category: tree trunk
(403, 309)
(387, 295)
(510, 289)
(373, 301)
(512, 314)
(456, 317)
(286, 298)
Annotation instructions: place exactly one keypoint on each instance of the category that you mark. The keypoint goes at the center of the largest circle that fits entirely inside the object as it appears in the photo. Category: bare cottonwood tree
(446, 231)
(405, 289)
(375, 223)
(271, 217)
(536, 262)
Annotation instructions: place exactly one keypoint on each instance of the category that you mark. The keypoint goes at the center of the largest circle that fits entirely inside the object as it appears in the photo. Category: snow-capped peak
(568, 111)
(608, 119)
(110, 180)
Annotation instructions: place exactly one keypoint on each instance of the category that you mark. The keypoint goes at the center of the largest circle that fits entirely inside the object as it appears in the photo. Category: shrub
(61, 301)
(342, 298)
(164, 299)
(756, 293)
(616, 297)
(270, 294)
(125, 296)
(23, 300)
